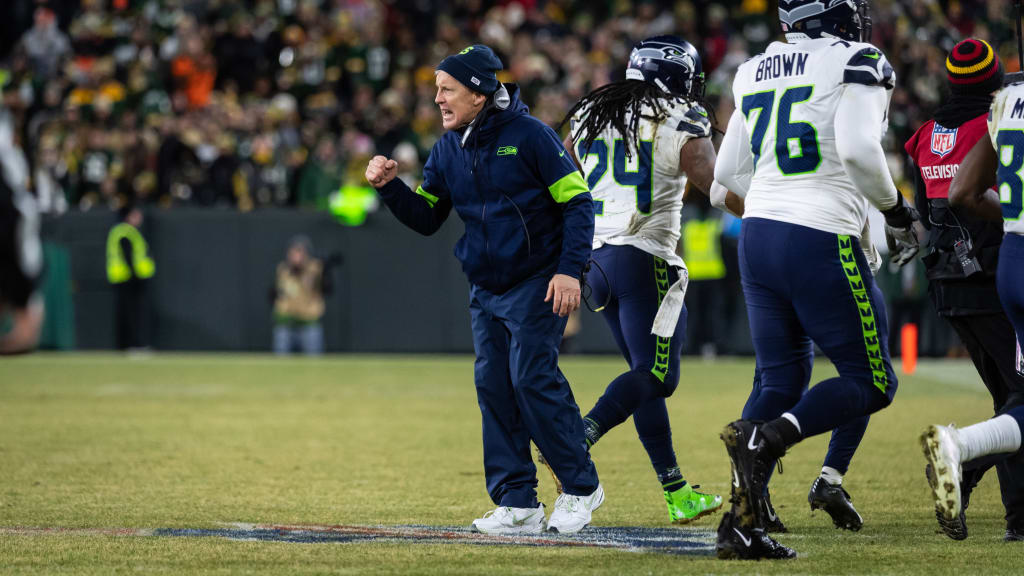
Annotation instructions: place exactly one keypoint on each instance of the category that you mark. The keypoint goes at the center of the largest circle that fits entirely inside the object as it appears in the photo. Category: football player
(995, 162)
(962, 260)
(827, 492)
(804, 149)
(638, 142)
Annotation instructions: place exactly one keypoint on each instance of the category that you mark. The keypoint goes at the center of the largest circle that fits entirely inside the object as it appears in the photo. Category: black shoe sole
(845, 524)
(725, 551)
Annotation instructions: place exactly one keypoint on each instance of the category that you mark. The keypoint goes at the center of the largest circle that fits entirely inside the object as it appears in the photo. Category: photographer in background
(298, 295)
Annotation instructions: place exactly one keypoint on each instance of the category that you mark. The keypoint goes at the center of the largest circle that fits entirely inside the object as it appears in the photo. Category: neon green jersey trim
(430, 198)
(568, 187)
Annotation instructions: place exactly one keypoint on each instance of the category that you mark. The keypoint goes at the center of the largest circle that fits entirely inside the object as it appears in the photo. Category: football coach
(529, 223)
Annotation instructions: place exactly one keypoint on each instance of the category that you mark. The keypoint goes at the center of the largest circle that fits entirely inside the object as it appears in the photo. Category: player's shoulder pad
(758, 55)
(995, 112)
(746, 65)
(694, 121)
(867, 65)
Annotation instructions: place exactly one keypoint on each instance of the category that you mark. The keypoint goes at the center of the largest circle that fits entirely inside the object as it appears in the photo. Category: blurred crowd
(249, 103)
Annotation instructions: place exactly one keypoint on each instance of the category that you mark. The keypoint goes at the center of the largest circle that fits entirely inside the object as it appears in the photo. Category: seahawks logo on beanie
(474, 67)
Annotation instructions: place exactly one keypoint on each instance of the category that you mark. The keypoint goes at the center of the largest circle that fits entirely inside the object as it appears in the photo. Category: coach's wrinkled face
(458, 104)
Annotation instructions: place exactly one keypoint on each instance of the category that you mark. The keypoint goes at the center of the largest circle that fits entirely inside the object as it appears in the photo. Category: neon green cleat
(686, 504)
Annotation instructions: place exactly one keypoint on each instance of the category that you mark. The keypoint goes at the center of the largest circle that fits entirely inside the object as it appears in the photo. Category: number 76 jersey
(638, 186)
(1006, 127)
(788, 97)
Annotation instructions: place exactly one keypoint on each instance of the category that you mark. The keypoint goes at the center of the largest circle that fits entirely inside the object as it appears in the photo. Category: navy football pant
(1010, 284)
(523, 395)
(845, 438)
(630, 284)
(801, 286)
(1010, 281)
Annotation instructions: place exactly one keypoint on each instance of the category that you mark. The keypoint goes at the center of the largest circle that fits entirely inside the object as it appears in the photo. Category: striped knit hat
(974, 68)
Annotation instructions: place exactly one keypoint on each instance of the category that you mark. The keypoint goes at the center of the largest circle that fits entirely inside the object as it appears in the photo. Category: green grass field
(197, 441)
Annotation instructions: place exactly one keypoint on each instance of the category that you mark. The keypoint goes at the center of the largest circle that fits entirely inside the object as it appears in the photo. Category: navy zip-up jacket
(526, 208)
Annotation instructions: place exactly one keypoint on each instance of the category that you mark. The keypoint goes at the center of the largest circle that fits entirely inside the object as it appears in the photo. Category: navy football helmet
(845, 19)
(670, 63)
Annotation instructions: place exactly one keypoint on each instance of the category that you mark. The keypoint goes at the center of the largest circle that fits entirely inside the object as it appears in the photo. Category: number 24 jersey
(638, 196)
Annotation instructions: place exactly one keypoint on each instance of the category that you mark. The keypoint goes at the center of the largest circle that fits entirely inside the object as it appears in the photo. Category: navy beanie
(475, 68)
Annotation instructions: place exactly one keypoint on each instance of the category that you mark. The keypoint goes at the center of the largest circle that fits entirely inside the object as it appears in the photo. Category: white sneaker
(572, 513)
(942, 449)
(508, 520)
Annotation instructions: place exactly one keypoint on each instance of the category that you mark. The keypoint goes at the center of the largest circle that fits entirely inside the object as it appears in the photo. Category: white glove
(903, 244)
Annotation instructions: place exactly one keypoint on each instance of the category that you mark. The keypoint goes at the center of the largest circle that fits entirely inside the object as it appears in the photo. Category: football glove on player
(900, 235)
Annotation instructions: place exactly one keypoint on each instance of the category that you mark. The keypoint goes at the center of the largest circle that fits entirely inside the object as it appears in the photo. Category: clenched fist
(380, 171)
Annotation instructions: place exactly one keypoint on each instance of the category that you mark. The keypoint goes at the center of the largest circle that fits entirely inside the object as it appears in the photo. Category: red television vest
(937, 152)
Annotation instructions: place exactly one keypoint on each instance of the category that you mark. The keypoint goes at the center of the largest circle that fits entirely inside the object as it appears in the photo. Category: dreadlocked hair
(621, 105)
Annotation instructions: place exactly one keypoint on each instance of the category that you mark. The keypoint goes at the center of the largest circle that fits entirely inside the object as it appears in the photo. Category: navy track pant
(523, 395)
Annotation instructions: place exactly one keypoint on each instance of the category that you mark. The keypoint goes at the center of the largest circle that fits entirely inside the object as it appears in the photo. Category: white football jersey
(789, 96)
(638, 197)
(1006, 128)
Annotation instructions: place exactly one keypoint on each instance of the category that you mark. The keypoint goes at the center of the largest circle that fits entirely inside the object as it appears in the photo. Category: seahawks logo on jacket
(870, 67)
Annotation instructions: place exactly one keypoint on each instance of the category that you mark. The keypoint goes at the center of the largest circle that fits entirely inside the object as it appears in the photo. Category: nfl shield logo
(943, 140)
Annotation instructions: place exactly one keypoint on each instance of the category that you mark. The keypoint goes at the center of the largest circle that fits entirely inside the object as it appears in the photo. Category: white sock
(995, 436)
(792, 419)
(831, 475)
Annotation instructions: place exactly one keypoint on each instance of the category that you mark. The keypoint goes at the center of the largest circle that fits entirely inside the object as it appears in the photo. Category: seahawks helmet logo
(666, 52)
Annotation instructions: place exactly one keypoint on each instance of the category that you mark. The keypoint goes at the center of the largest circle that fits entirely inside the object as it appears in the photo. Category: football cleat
(737, 543)
(573, 513)
(834, 500)
(751, 466)
(542, 460)
(942, 450)
(957, 527)
(508, 520)
(772, 523)
(1014, 535)
(686, 504)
